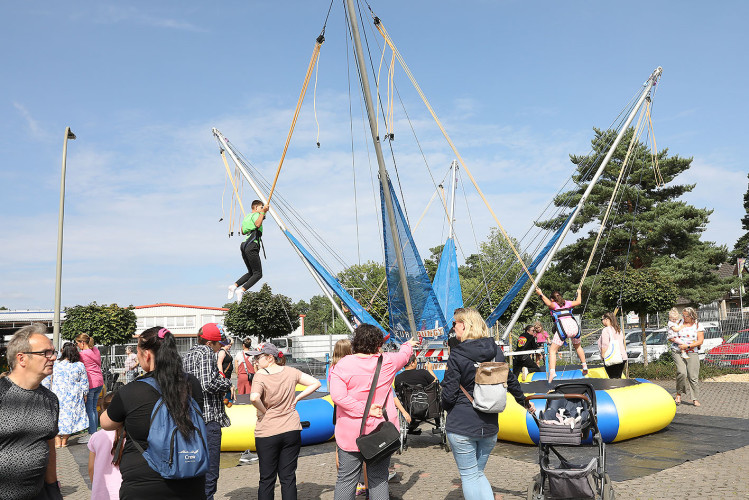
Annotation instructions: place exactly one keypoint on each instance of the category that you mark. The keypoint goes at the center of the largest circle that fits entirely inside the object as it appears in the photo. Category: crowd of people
(45, 399)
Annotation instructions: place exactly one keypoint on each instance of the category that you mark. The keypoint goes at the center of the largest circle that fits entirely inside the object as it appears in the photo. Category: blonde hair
(691, 312)
(89, 341)
(673, 313)
(475, 326)
(538, 326)
(341, 349)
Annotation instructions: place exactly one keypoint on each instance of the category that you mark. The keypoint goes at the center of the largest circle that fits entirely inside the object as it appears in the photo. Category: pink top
(607, 335)
(556, 307)
(107, 478)
(542, 337)
(350, 381)
(91, 359)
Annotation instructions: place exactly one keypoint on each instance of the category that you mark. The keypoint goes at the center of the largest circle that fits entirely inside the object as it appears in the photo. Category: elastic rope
(405, 67)
(313, 59)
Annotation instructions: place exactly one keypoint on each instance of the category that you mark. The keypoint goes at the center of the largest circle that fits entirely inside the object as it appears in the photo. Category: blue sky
(519, 85)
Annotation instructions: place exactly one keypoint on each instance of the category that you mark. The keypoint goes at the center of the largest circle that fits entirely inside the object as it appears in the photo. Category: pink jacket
(350, 381)
(91, 359)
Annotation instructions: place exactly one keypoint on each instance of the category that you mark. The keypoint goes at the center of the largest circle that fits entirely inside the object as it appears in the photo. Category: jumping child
(675, 323)
(252, 226)
(557, 303)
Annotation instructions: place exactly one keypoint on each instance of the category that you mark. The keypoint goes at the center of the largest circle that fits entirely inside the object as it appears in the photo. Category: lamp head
(71, 135)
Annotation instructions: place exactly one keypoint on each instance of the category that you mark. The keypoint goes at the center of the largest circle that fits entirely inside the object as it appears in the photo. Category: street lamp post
(58, 278)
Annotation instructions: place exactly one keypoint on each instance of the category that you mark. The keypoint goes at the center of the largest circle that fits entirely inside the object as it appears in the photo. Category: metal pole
(372, 114)
(452, 201)
(281, 224)
(61, 216)
(540, 272)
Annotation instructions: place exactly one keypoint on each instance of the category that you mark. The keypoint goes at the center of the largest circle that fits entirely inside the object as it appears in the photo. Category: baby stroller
(570, 418)
(423, 404)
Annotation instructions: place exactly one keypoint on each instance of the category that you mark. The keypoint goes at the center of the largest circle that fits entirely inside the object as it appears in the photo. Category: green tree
(741, 248)
(319, 313)
(365, 282)
(262, 314)
(487, 275)
(107, 324)
(644, 291)
(648, 227)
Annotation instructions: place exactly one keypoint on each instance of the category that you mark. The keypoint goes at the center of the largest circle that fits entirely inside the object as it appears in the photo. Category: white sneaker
(248, 457)
(232, 289)
(684, 355)
(524, 371)
(239, 293)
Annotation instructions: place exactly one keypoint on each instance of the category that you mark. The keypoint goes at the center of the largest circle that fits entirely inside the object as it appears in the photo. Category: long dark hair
(70, 352)
(169, 374)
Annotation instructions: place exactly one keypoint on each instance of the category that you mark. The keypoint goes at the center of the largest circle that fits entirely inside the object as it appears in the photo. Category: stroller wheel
(535, 488)
(443, 433)
(404, 433)
(608, 488)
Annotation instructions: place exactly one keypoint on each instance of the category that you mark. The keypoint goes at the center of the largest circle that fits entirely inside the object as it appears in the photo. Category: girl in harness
(565, 326)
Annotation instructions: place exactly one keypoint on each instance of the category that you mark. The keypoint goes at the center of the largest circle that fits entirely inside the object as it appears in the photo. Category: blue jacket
(462, 418)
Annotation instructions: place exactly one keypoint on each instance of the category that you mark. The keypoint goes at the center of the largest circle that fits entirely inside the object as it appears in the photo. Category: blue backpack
(169, 453)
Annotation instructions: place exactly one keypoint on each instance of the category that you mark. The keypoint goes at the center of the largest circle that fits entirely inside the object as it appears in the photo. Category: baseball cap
(265, 348)
(212, 331)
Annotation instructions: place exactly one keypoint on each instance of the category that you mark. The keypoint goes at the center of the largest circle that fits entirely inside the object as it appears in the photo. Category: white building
(182, 320)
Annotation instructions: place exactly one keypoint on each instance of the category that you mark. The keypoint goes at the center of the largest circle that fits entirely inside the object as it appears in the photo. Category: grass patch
(665, 368)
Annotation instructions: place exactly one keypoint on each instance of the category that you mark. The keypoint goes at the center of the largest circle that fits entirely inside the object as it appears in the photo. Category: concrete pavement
(426, 472)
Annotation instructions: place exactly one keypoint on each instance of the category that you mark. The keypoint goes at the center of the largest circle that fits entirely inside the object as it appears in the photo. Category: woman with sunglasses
(278, 432)
(611, 334)
(91, 359)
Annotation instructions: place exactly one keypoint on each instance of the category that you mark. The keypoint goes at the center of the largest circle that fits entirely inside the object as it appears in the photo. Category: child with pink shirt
(103, 467)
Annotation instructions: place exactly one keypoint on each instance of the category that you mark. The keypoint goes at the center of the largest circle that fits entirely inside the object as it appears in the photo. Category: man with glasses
(201, 361)
(28, 418)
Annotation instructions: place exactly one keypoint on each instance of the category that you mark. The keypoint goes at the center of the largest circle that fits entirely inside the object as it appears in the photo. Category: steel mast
(372, 114)
(648, 85)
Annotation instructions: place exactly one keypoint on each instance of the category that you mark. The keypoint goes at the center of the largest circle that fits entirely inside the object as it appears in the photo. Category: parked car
(631, 335)
(656, 342)
(734, 352)
(713, 336)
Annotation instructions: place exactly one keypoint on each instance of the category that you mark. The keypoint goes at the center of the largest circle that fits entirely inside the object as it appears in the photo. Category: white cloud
(35, 129)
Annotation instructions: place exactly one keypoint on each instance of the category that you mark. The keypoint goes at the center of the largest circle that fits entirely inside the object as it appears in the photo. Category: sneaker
(684, 355)
(84, 439)
(239, 293)
(552, 375)
(391, 475)
(232, 289)
(248, 457)
(524, 371)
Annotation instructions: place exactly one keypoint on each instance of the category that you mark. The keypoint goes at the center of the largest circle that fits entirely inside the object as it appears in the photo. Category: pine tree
(741, 249)
(648, 227)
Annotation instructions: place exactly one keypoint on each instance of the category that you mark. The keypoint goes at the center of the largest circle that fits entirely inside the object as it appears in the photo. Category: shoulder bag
(613, 355)
(385, 438)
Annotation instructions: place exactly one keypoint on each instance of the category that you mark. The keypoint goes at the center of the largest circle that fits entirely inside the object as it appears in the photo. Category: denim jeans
(471, 454)
(213, 439)
(93, 416)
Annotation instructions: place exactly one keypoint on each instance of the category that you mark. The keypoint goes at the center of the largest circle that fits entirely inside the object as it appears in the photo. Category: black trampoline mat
(687, 438)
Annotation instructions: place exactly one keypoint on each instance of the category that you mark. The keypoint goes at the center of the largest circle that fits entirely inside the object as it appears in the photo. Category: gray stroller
(569, 420)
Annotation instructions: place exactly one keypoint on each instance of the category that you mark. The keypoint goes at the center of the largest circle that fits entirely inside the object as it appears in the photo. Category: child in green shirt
(252, 226)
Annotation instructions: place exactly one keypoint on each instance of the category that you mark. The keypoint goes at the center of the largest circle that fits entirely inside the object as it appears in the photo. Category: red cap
(212, 331)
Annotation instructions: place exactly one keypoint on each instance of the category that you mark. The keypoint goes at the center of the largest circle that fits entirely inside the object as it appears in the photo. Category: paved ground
(427, 472)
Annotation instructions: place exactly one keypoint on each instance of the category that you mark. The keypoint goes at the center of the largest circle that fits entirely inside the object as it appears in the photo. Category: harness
(566, 323)
(256, 235)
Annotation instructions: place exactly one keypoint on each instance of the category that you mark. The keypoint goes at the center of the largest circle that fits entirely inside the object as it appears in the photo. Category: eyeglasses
(47, 353)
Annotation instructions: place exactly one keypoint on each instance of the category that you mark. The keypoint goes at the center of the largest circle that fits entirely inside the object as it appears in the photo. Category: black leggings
(615, 371)
(278, 455)
(251, 256)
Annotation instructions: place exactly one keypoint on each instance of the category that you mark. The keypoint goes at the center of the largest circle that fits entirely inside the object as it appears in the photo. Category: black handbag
(385, 438)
